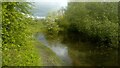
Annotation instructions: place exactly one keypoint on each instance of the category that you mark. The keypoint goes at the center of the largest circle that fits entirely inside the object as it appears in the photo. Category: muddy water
(80, 53)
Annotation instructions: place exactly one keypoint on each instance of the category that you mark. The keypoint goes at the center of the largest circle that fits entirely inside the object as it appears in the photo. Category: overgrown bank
(17, 45)
(96, 23)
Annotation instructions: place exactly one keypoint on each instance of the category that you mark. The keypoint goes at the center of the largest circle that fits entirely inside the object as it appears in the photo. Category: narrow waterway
(80, 53)
(58, 48)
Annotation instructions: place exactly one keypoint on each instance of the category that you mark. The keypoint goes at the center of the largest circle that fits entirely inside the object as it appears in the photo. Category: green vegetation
(95, 22)
(17, 44)
(48, 57)
(98, 23)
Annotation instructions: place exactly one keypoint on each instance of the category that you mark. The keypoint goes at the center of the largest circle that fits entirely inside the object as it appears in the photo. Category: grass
(48, 57)
(26, 55)
(33, 53)
(22, 56)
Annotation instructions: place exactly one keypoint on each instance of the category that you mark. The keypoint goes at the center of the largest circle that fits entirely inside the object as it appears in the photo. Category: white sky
(61, 2)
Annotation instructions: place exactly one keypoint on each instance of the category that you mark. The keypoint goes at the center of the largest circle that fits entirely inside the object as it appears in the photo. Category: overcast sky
(42, 8)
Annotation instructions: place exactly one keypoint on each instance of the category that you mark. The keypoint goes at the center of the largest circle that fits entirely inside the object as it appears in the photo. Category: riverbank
(48, 57)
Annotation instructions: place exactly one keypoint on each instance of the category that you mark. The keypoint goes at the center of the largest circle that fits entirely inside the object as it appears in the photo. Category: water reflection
(81, 53)
(62, 52)
(58, 48)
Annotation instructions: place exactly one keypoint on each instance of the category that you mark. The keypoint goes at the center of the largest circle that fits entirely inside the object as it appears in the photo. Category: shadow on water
(79, 53)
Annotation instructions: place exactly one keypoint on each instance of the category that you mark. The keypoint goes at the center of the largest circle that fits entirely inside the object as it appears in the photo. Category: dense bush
(95, 24)
(97, 21)
(17, 46)
(51, 27)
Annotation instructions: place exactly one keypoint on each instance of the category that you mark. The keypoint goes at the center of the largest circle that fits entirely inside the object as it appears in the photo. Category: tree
(98, 20)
